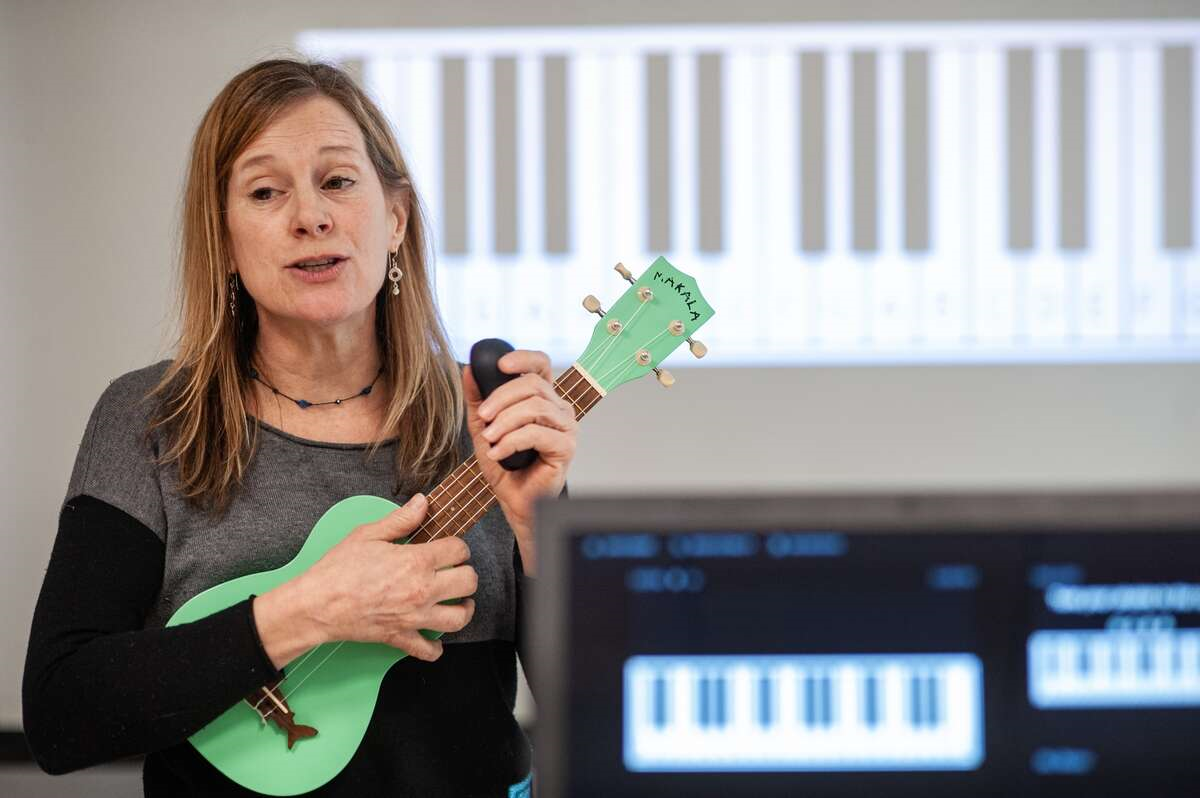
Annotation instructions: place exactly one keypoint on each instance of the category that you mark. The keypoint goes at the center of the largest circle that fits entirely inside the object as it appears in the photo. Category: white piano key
(383, 82)
(684, 121)
(531, 162)
(1100, 282)
(588, 109)
(841, 295)
(530, 272)
(994, 266)
(420, 108)
(1151, 269)
(943, 321)
(486, 294)
(893, 277)
(1045, 295)
(625, 161)
(735, 269)
(783, 296)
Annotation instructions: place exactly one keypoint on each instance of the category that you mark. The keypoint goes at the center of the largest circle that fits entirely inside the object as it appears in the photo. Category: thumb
(471, 388)
(400, 523)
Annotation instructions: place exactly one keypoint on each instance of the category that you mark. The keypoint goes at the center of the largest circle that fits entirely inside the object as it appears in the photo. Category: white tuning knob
(698, 349)
(592, 305)
(665, 377)
(620, 268)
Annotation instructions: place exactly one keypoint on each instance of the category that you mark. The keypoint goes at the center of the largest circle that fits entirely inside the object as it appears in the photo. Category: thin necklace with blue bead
(304, 404)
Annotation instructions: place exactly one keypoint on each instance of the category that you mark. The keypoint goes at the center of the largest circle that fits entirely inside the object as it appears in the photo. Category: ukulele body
(333, 687)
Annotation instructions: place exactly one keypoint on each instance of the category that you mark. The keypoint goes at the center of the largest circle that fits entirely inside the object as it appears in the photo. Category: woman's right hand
(369, 589)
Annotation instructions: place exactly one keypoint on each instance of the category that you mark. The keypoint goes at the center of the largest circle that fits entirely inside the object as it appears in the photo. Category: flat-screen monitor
(868, 645)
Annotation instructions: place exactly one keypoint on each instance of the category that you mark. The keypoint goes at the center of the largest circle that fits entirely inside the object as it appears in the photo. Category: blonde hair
(201, 406)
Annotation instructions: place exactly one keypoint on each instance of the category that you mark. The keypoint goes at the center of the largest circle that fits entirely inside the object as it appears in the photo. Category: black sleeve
(97, 686)
(524, 588)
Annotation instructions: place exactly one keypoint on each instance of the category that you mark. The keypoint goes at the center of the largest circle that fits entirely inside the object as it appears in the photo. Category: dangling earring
(394, 273)
(233, 291)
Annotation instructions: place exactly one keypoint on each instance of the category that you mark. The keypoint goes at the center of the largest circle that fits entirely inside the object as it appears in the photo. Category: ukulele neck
(465, 496)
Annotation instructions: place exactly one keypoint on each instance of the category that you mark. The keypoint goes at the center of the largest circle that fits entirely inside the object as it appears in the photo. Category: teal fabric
(522, 789)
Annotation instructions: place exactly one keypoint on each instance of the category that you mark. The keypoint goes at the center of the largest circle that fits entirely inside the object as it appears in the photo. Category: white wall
(98, 101)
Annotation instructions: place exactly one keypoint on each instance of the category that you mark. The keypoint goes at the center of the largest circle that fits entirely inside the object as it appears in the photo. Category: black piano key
(812, 152)
(1178, 143)
(810, 701)
(1020, 150)
(764, 700)
(916, 151)
(1085, 661)
(1146, 660)
(871, 690)
(827, 700)
(660, 701)
(658, 152)
(916, 716)
(709, 152)
(1072, 148)
(719, 700)
(705, 710)
(557, 171)
(931, 700)
(863, 144)
(454, 156)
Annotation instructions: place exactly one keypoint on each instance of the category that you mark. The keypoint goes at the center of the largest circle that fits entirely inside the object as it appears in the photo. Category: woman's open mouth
(315, 271)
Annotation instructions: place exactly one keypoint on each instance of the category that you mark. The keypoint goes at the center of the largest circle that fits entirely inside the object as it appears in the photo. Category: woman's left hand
(524, 413)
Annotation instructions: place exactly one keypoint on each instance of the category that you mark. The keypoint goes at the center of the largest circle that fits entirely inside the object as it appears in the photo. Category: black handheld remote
(485, 368)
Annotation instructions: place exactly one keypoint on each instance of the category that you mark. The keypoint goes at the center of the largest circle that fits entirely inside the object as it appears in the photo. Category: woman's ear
(399, 214)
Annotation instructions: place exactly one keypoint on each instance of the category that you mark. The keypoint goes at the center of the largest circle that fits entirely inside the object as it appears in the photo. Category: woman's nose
(311, 216)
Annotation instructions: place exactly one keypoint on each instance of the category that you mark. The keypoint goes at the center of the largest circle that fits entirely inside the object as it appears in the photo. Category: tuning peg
(593, 305)
(698, 349)
(665, 377)
(620, 267)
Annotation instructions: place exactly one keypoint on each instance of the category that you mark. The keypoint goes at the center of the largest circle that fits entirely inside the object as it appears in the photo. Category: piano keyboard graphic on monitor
(1098, 668)
(853, 192)
(806, 712)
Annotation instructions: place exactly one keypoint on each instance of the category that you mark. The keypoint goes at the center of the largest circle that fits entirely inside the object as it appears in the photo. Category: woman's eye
(258, 193)
(345, 181)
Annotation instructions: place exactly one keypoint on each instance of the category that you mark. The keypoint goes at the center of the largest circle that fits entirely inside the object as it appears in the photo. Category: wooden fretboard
(464, 496)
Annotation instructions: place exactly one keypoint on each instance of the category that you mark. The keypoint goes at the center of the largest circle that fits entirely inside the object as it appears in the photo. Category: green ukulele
(294, 735)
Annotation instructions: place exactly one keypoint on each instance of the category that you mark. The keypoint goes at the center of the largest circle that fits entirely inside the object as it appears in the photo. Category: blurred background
(951, 245)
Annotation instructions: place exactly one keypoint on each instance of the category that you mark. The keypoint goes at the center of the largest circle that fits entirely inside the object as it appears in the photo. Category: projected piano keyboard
(1096, 668)
(849, 192)
(826, 712)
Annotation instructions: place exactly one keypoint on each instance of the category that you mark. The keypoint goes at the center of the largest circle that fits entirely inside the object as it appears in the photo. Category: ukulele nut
(643, 358)
(614, 327)
(645, 294)
(675, 327)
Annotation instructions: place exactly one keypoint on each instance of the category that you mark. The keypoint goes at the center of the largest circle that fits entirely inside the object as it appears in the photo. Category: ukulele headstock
(662, 309)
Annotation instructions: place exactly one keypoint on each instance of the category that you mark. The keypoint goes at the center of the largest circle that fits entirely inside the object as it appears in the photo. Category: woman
(309, 344)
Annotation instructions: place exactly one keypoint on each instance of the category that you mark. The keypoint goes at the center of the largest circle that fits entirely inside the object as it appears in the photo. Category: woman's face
(305, 190)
